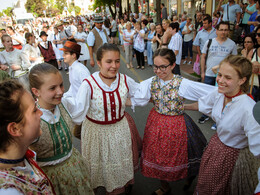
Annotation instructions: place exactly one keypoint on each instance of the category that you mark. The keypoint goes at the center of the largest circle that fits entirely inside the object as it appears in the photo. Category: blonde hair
(242, 66)
(166, 21)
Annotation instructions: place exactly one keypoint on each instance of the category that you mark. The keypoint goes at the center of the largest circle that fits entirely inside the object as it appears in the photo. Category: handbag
(196, 65)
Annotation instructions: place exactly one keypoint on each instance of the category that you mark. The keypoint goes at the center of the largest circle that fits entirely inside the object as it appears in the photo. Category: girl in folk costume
(109, 136)
(81, 38)
(32, 51)
(20, 127)
(57, 44)
(17, 62)
(55, 153)
(228, 165)
(173, 144)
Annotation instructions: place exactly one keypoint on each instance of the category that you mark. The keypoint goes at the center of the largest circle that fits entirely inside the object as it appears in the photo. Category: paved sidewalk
(187, 69)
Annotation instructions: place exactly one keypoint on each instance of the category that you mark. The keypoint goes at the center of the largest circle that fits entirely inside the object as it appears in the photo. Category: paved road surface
(144, 185)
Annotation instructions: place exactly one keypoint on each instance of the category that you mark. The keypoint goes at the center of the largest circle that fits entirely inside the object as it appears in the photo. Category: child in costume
(20, 127)
(173, 144)
(228, 165)
(56, 155)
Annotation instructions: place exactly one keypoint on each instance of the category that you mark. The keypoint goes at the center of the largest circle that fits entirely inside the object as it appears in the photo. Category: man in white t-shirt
(176, 45)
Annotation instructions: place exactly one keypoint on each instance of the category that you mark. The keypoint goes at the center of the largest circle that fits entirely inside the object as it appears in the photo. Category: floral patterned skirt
(107, 150)
(71, 176)
(172, 147)
(227, 170)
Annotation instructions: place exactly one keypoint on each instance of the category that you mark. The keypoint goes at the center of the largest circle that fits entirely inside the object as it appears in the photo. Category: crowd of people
(39, 119)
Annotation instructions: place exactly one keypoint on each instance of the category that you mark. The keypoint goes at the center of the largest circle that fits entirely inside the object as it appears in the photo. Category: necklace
(230, 97)
(107, 77)
(8, 161)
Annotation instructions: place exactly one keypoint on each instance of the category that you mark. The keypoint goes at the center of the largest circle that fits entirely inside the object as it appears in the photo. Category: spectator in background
(17, 39)
(128, 44)
(188, 40)
(250, 9)
(231, 13)
(208, 32)
(113, 29)
(164, 12)
(215, 19)
(106, 27)
(198, 22)
(176, 45)
(254, 20)
(150, 36)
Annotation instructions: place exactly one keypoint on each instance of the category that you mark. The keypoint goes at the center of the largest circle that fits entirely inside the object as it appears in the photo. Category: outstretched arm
(193, 106)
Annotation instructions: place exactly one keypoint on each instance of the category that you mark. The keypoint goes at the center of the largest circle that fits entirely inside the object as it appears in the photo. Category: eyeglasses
(248, 42)
(162, 67)
(257, 34)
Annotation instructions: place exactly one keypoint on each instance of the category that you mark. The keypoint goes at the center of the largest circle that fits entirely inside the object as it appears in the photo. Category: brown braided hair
(11, 109)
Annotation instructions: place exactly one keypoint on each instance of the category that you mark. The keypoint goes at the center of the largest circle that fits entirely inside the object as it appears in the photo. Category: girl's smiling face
(228, 80)
(51, 91)
(109, 64)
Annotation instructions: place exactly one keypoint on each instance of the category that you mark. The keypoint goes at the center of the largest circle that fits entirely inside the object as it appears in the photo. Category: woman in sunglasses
(173, 144)
(254, 57)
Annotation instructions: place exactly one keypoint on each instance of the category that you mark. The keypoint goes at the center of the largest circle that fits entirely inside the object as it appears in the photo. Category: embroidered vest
(107, 107)
(48, 54)
(24, 182)
(166, 99)
(56, 139)
(98, 40)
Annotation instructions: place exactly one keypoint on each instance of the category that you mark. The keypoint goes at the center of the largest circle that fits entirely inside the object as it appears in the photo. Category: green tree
(35, 6)
(60, 4)
(8, 11)
(110, 3)
(77, 10)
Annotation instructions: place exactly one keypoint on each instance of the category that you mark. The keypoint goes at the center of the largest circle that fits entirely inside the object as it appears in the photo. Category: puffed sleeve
(143, 93)
(132, 85)
(252, 129)
(78, 106)
(25, 61)
(206, 103)
(9, 191)
(193, 90)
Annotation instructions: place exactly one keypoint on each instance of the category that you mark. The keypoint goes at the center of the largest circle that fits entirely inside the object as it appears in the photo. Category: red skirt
(226, 170)
(165, 153)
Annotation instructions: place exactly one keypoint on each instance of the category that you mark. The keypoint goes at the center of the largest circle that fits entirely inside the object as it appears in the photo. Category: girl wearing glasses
(173, 144)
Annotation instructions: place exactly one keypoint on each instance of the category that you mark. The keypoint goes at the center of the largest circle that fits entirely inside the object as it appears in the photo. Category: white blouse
(188, 89)
(78, 107)
(237, 127)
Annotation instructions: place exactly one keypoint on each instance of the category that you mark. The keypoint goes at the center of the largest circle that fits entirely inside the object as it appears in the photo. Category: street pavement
(144, 185)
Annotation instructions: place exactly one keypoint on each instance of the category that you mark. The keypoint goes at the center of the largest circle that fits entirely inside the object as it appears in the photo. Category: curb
(188, 76)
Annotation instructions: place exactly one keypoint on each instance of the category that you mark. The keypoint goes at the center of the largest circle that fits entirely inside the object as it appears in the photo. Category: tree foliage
(35, 6)
(60, 4)
(104, 3)
(8, 11)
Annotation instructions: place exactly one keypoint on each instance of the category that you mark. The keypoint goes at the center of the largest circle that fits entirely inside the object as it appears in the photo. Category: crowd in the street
(38, 119)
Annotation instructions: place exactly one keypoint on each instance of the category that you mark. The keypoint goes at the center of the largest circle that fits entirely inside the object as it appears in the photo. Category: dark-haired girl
(173, 144)
(107, 140)
(20, 127)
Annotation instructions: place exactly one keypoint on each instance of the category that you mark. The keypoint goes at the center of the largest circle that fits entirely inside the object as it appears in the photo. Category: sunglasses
(257, 34)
